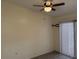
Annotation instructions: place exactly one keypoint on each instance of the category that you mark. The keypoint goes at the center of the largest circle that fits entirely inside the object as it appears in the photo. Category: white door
(67, 38)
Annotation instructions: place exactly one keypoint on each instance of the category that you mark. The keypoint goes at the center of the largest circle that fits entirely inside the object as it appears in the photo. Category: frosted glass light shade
(47, 9)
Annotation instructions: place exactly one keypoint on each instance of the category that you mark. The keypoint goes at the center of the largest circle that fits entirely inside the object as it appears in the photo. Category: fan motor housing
(47, 5)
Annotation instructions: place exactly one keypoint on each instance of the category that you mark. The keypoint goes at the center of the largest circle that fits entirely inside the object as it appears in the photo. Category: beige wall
(25, 33)
(66, 17)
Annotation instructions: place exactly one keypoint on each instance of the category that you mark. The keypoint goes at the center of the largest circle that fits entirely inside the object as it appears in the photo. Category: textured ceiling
(69, 7)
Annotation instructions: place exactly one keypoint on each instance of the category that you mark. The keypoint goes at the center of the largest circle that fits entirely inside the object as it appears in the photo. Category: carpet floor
(53, 56)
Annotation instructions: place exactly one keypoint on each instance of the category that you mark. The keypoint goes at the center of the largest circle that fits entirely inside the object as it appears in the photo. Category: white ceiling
(69, 7)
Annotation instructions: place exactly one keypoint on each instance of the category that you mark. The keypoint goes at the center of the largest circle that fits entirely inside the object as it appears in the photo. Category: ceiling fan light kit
(48, 5)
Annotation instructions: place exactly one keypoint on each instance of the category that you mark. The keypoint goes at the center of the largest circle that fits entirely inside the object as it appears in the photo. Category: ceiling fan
(49, 6)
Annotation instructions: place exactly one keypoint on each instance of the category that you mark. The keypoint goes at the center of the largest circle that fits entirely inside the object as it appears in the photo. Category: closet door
(67, 38)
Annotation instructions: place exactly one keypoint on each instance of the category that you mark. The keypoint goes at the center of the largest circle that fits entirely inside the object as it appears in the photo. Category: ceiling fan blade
(53, 9)
(38, 5)
(59, 4)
